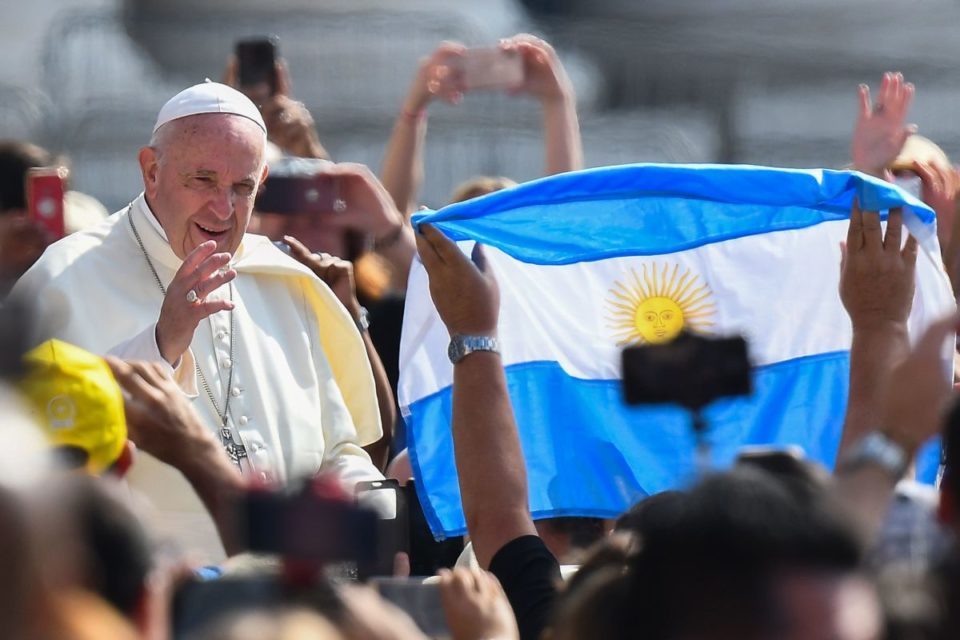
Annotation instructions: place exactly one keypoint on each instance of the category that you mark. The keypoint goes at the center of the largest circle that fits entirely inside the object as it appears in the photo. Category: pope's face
(202, 178)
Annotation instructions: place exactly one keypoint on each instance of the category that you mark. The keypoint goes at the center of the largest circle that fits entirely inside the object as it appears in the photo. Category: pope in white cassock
(272, 361)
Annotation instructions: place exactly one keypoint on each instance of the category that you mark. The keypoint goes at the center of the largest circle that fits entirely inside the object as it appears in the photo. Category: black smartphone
(256, 66)
(304, 524)
(386, 499)
(691, 371)
(297, 194)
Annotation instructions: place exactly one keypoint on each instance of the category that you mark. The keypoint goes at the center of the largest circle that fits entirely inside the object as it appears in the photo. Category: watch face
(455, 350)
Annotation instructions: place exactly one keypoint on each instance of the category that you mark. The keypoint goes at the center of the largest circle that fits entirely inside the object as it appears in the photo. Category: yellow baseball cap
(77, 401)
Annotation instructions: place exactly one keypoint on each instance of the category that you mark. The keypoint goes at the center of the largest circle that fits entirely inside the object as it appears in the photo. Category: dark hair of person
(117, 549)
(16, 157)
(708, 564)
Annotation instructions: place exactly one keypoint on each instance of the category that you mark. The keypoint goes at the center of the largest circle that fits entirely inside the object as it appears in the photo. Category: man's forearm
(873, 354)
(490, 463)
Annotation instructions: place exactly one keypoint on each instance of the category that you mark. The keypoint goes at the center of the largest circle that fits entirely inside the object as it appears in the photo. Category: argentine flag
(591, 261)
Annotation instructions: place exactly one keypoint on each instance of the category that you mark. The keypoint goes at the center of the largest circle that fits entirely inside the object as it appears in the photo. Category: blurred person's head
(480, 186)
(94, 543)
(294, 624)
(24, 463)
(569, 537)
(203, 167)
(79, 405)
(807, 479)
(744, 557)
(16, 158)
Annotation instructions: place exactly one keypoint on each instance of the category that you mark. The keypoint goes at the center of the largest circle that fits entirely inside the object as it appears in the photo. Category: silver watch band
(877, 449)
(461, 346)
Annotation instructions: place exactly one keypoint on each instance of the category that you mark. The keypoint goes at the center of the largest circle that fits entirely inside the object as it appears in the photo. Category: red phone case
(45, 187)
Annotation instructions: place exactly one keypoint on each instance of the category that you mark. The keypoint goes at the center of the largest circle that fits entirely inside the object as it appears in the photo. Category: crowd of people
(169, 369)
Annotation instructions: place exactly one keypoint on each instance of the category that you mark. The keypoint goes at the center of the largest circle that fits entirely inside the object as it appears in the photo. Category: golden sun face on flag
(654, 307)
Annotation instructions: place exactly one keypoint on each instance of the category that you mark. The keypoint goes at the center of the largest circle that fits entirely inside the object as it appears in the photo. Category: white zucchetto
(208, 97)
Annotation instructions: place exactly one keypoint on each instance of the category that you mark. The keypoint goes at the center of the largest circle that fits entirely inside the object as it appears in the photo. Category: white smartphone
(491, 68)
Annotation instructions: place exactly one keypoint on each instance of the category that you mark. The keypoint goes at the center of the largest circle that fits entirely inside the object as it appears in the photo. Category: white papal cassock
(302, 397)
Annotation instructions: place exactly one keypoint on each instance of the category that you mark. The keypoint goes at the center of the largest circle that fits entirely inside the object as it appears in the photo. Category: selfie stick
(703, 447)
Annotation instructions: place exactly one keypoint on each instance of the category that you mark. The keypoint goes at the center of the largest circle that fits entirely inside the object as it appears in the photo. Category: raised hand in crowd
(162, 422)
(490, 464)
(338, 274)
(546, 79)
(918, 390)
(877, 282)
(881, 127)
(289, 123)
(440, 76)
(464, 290)
(475, 606)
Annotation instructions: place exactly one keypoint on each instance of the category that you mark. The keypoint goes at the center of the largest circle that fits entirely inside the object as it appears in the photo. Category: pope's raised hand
(185, 304)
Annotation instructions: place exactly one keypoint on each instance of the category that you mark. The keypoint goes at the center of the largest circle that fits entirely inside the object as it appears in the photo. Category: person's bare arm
(876, 287)
(402, 172)
(338, 274)
(910, 413)
(489, 459)
(546, 80)
(161, 421)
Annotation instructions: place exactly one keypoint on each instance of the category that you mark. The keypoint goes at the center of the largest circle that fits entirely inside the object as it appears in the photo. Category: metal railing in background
(351, 70)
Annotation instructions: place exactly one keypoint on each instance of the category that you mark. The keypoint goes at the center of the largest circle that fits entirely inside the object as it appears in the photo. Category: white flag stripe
(787, 307)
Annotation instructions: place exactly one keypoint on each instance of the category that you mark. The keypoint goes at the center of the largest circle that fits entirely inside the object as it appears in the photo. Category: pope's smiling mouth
(213, 233)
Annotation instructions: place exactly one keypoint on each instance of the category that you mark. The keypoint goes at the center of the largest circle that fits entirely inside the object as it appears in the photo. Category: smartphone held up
(45, 188)
(257, 67)
(300, 186)
(491, 68)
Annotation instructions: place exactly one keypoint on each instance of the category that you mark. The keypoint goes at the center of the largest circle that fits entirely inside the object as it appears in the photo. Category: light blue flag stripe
(653, 209)
(589, 452)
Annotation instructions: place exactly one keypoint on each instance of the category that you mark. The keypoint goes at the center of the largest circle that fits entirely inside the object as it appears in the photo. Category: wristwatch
(877, 449)
(462, 346)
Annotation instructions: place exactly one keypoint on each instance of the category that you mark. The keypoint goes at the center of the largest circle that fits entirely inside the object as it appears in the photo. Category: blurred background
(747, 81)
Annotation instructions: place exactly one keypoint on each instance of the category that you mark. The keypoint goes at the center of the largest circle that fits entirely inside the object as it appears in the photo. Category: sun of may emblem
(654, 307)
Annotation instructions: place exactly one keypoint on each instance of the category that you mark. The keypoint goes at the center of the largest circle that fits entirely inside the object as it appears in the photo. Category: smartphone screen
(45, 187)
(388, 501)
(491, 68)
(256, 67)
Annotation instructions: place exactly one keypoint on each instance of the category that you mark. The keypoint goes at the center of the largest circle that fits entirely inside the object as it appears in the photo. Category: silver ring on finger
(192, 296)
